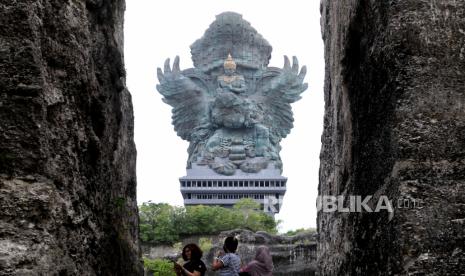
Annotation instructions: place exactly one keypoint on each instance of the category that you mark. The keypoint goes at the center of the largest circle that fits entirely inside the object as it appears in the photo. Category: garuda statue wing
(275, 92)
(188, 93)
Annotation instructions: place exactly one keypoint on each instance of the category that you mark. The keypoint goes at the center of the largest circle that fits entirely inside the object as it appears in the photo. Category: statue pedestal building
(202, 186)
(234, 110)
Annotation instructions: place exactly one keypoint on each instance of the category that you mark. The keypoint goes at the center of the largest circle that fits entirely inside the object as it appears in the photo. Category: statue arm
(276, 95)
(190, 102)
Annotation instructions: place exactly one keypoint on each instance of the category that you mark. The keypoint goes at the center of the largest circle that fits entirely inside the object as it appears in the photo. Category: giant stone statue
(231, 107)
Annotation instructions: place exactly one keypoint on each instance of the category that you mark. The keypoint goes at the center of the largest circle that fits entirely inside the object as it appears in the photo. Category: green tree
(253, 217)
(269, 224)
(157, 223)
(247, 204)
(162, 223)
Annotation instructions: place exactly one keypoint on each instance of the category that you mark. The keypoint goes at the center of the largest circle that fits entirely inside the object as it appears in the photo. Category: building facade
(202, 186)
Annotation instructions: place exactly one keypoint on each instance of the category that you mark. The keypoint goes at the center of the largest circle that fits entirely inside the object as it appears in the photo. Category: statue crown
(229, 63)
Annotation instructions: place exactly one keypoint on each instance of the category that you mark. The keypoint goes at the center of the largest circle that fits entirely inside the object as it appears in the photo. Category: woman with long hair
(193, 265)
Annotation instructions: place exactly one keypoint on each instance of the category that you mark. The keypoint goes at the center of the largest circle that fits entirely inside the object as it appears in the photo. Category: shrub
(300, 231)
(159, 267)
(205, 244)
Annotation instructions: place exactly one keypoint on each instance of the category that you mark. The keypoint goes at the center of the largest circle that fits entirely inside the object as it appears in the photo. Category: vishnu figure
(231, 81)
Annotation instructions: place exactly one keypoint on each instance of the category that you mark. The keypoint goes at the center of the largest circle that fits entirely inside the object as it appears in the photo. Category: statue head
(229, 65)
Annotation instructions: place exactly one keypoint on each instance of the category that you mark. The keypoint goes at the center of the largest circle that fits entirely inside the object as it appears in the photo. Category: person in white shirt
(228, 263)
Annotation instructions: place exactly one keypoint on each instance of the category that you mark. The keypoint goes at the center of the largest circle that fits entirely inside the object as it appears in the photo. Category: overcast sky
(156, 30)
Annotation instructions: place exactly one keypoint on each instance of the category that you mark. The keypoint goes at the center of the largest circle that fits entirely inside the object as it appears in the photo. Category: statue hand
(173, 82)
(291, 74)
(169, 74)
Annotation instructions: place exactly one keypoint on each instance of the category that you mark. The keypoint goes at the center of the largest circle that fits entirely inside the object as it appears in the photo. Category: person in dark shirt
(193, 265)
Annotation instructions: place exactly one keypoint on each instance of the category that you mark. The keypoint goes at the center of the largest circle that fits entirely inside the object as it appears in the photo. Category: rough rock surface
(67, 156)
(394, 125)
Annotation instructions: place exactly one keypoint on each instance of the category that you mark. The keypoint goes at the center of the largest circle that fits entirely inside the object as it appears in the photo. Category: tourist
(262, 265)
(193, 265)
(228, 263)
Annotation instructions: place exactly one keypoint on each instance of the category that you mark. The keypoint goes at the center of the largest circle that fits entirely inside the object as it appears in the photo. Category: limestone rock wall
(67, 156)
(394, 125)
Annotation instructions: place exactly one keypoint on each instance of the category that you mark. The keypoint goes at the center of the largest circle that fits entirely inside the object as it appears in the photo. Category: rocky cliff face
(67, 156)
(394, 125)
